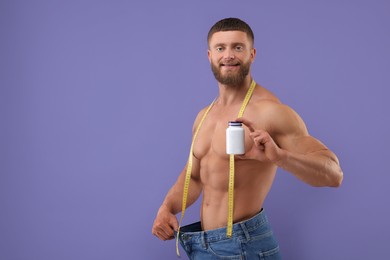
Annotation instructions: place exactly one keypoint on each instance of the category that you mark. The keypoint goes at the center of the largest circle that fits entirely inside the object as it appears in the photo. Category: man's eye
(239, 48)
(219, 49)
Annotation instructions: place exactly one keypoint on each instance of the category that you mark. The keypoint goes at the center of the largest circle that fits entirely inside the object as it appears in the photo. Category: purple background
(98, 98)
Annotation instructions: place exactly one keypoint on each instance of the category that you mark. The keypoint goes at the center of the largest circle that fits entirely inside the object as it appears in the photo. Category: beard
(231, 78)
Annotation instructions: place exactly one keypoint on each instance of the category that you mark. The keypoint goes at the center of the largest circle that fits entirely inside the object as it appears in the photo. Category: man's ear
(209, 55)
(253, 55)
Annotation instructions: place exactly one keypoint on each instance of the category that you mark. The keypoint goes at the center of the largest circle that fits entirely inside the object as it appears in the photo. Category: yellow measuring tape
(231, 171)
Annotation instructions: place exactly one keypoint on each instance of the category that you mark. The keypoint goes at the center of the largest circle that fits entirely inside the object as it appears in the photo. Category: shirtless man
(275, 136)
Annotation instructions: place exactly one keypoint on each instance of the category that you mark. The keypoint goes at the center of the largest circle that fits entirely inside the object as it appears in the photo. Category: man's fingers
(163, 236)
(163, 232)
(260, 138)
(246, 122)
(167, 229)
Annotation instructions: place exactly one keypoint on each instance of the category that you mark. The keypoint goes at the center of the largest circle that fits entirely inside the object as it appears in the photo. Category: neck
(230, 95)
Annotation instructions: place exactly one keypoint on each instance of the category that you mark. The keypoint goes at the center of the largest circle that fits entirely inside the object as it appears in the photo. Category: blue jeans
(252, 239)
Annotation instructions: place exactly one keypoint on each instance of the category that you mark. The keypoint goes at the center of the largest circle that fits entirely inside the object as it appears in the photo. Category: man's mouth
(229, 64)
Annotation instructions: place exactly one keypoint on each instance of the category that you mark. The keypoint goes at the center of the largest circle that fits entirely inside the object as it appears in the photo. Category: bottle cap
(235, 123)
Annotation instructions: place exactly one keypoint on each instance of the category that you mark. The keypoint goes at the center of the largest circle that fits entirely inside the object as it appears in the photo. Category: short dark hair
(231, 24)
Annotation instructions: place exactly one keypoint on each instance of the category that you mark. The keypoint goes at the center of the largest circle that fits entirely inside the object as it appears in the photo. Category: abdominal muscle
(252, 184)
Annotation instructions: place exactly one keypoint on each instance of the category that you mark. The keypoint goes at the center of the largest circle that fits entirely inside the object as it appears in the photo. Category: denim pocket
(226, 249)
(264, 246)
(273, 254)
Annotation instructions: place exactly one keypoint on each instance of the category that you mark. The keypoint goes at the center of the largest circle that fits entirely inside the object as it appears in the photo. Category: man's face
(230, 54)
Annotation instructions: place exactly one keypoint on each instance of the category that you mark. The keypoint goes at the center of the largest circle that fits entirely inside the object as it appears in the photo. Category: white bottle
(235, 138)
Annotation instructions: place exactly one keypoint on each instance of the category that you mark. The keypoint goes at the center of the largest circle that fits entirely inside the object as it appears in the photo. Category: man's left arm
(290, 147)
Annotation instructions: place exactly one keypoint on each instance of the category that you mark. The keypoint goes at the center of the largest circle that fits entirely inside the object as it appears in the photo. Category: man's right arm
(166, 222)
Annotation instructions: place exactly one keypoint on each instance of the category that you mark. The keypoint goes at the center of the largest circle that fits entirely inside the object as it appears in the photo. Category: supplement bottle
(235, 138)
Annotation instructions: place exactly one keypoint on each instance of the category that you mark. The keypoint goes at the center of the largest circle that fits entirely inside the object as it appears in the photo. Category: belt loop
(243, 227)
(203, 240)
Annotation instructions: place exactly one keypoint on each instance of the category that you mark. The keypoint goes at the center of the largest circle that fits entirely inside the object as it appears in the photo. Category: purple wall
(97, 101)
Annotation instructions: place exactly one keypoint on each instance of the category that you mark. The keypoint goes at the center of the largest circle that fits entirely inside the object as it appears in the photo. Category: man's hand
(165, 224)
(264, 148)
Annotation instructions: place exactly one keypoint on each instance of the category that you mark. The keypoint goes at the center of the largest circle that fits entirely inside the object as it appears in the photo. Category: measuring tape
(231, 171)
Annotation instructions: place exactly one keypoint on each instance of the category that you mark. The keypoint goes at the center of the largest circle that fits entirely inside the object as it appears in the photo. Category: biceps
(302, 145)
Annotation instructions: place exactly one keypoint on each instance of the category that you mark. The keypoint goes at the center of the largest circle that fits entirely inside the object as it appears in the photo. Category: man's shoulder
(270, 110)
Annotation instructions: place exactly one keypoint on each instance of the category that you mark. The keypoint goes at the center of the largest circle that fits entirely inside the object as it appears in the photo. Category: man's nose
(229, 54)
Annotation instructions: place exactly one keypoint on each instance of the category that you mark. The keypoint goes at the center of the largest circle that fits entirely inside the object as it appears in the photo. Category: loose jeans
(252, 239)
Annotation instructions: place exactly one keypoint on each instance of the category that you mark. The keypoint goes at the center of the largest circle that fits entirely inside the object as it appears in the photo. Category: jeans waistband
(240, 229)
